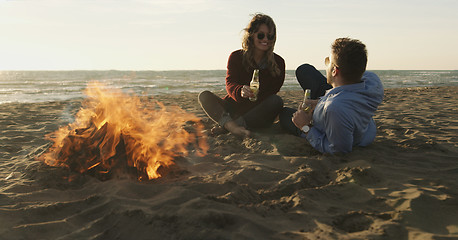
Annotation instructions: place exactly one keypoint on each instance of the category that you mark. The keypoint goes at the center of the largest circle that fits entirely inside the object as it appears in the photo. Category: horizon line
(170, 70)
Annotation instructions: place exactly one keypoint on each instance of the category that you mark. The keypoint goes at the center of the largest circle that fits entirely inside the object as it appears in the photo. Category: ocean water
(43, 86)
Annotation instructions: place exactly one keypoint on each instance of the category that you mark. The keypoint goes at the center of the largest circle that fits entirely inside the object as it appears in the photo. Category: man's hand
(301, 118)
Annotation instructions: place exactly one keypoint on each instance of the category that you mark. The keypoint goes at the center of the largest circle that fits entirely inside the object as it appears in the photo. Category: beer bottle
(254, 85)
(306, 103)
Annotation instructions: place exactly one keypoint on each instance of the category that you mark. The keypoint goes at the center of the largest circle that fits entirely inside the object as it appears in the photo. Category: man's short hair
(350, 57)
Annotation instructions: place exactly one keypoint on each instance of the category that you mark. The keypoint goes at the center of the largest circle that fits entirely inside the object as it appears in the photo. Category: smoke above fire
(114, 130)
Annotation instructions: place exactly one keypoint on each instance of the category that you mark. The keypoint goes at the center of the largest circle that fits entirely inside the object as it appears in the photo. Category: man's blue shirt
(343, 116)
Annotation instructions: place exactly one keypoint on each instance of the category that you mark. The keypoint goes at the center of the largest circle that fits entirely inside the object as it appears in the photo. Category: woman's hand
(246, 92)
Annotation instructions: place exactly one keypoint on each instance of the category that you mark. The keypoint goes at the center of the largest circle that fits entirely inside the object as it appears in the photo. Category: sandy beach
(270, 186)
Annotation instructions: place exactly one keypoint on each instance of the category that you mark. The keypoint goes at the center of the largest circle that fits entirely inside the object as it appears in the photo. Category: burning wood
(114, 131)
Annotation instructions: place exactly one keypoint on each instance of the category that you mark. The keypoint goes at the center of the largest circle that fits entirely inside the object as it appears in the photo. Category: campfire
(114, 132)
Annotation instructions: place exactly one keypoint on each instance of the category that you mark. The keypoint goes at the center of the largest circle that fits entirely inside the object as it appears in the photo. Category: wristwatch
(305, 128)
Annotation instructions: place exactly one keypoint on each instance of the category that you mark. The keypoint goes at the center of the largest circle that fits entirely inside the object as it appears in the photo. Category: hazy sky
(200, 34)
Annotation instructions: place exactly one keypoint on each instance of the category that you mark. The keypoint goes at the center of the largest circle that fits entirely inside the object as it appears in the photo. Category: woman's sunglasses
(262, 35)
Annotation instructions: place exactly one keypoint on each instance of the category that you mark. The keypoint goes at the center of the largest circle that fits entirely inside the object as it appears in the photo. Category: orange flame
(113, 129)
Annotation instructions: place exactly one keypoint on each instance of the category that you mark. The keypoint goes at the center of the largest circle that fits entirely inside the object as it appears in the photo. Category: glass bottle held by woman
(254, 85)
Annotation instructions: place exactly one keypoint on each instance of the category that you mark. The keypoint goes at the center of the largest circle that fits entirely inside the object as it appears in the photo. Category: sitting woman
(235, 112)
